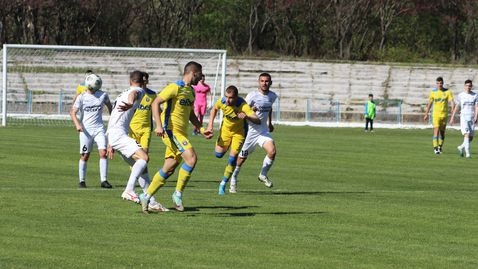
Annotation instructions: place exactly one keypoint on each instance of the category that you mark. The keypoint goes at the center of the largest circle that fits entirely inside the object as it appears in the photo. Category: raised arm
(131, 98)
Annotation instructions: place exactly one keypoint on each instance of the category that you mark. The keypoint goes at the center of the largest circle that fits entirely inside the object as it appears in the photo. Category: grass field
(342, 199)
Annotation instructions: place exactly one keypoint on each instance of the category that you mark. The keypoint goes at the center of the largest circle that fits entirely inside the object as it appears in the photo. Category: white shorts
(126, 145)
(467, 127)
(252, 141)
(86, 141)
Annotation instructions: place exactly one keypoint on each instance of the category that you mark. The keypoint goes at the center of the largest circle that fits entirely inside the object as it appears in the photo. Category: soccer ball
(93, 82)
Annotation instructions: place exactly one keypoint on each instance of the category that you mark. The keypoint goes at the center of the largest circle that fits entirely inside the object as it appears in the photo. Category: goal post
(39, 81)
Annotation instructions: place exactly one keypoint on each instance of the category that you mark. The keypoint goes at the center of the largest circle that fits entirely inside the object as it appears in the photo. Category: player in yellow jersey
(140, 130)
(172, 126)
(233, 131)
(439, 98)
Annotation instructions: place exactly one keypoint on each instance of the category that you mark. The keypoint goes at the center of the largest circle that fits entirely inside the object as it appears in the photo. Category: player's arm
(271, 127)
(108, 105)
(427, 110)
(156, 109)
(132, 96)
(476, 113)
(75, 120)
(452, 118)
(110, 152)
(248, 114)
(210, 125)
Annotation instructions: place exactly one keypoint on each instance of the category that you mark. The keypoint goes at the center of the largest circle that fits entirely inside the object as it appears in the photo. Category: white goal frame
(221, 66)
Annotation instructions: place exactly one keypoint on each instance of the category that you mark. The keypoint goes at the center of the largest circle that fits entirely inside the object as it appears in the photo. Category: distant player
(82, 86)
(439, 98)
(140, 130)
(200, 103)
(118, 128)
(259, 134)
(467, 102)
(172, 126)
(91, 128)
(370, 109)
(234, 127)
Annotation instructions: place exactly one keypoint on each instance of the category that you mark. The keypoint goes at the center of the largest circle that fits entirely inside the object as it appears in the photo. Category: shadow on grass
(303, 192)
(199, 208)
(253, 214)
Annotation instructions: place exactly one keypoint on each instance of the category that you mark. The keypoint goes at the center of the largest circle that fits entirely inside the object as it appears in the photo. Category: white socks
(82, 170)
(234, 175)
(144, 181)
(266, 165)
(103, 169)
(466, 145)
(136, 170)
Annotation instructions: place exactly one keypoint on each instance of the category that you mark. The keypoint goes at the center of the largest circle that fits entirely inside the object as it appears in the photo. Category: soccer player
(118, 128)
(172, 126)
(439, 98)
(200, 102)
(233, 132)
(140, 130)
(259, 134)
(467, 102)
(91, 128)
(370, 109)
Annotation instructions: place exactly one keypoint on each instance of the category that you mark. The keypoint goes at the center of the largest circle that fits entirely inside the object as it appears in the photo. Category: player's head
(145, 79)
(192, 73)
(231, 95)
(203, 78)
(265, 82)
(439, 82)
(370, 96)
(136, 78)
(93, 82)
(468, 85)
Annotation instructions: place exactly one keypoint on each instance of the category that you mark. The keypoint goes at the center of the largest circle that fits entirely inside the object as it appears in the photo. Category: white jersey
(263, 103)
(467, 103)
(90, 107)
(120, 120)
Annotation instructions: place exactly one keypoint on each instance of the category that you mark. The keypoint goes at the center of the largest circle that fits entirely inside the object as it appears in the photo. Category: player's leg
(371, 125)
(236, 143)
(86, 144)
(268, 145)
(435, 140)
(441, 137)
(249, 146)
(367, 120)
(100, 140)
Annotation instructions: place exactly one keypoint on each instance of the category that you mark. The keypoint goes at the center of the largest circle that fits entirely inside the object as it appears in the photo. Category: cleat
(222, 189)
(144, 203)
(105, 184)
(178, 202)
(468, 156)
(130, 196)
(265, 180)
(461, 151)
(82, 185)
(155, 207)
(233, 188)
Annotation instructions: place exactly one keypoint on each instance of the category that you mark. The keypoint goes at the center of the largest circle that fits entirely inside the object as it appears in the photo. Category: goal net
(39, 82)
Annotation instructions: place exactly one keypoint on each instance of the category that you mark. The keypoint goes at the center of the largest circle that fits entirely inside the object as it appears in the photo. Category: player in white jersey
(91, 128)
(467, 101)
(261, 102)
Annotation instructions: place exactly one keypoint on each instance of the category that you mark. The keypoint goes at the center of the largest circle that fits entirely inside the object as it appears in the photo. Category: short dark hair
(370, 95)
(136, 76)
(145, 76)
(89, 71)
(266, 75)
(192, 65)
(232, 89)
(468, 81)
(440, 79)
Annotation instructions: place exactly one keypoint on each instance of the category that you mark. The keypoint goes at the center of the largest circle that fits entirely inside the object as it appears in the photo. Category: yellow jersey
(179, 102)
(81, 88)
(230, 121)
(143, 118)
(440, 99)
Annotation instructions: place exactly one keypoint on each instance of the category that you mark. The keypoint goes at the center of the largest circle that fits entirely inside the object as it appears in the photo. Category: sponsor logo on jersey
(141, 107)
(185, 143)
(147, 99)
(186, 102)
(92, 108)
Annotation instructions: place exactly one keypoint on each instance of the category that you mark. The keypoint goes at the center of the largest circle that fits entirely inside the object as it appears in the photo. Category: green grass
(342, 199)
